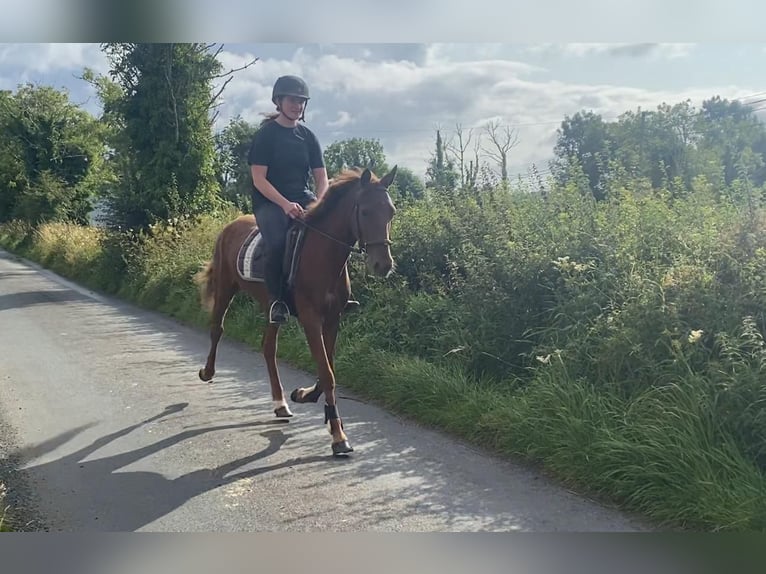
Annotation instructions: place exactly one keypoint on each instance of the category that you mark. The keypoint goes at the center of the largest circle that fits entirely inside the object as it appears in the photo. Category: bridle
(363, 245)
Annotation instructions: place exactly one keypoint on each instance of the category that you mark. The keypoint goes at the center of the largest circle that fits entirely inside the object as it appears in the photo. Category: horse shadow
(24, 299)
(129, 500)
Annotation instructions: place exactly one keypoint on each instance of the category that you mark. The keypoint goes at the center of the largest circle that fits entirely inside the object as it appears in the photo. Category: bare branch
(474, 164)
(230, 72)
(219, 92)
(503, 143)
(458, 152)
(168, 71)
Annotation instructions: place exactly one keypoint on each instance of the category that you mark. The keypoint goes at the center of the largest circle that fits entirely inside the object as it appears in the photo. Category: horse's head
(372, 221)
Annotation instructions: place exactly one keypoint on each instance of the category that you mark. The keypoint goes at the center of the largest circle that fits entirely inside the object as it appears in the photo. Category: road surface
(115, 432)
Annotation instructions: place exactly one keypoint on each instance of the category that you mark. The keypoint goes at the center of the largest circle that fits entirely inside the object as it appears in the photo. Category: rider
(282, 157)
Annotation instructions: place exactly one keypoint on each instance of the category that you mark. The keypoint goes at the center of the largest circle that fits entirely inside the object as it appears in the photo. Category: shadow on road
(24, 299)
(127, 501)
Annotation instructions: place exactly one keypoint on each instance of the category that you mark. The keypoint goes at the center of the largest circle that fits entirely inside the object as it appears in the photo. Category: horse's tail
(205, 278)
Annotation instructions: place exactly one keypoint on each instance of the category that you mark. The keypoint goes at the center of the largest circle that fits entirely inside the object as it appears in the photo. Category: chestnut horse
(355, 209)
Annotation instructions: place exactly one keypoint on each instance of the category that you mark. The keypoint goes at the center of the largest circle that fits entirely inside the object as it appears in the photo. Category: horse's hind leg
(270, 336)
(221, 305)
(329, 336)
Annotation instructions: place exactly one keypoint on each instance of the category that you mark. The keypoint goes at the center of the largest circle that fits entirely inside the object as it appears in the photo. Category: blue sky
(400, 93)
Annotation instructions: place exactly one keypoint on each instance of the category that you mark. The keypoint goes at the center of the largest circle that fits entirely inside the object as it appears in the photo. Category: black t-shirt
(290, 154)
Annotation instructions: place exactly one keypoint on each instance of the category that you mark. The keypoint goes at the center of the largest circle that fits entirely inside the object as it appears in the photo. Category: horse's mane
(339, 186)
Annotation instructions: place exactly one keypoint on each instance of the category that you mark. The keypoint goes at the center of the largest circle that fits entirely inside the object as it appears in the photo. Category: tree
(12, 172)
(407, 186)
(469, 169)
(160, 104)
(441, 174)
(52, 156)
(354, 152)
(232, 167)
(584, 141)
(656, 145)
(727, 129)
(502, 143)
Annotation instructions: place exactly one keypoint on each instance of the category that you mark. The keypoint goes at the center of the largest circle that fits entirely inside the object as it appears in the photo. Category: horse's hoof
(341, 448)
(283, 412)
(204, 377)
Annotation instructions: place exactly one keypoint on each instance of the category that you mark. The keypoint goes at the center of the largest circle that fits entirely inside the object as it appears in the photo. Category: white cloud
(50, 57)
(344, 119)
(677, 50)
(652, 50)
(58, 65)
(444, 53)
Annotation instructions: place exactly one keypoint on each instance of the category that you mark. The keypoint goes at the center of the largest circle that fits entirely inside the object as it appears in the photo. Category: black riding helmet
(290, 86)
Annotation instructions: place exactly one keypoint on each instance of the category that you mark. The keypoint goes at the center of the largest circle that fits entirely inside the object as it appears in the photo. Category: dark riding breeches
(273, 224)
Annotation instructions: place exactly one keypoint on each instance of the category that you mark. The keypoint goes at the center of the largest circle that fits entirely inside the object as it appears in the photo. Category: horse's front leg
(312, 326)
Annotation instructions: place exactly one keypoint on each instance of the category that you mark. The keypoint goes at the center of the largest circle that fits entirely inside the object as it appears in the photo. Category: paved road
(116, 432)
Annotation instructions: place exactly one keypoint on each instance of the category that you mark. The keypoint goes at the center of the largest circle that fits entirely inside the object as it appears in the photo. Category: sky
(401, 93)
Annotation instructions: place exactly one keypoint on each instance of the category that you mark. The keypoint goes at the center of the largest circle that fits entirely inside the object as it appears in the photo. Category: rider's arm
(320, 179)
(262, 184)
(316, 162)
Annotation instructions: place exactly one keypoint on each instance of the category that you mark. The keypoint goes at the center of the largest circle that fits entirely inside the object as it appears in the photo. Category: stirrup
(279, 313)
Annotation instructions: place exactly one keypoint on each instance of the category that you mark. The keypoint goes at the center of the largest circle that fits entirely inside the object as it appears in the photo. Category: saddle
(250, 259)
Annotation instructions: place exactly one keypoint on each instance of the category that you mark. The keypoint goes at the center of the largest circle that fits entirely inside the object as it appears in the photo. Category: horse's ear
(366, 176)
(388, 179)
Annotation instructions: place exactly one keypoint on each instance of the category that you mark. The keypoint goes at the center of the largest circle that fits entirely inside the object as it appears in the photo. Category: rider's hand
(293, 210)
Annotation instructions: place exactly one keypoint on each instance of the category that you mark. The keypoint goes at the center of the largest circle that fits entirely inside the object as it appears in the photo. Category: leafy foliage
(51, 156)
(158, 104)
(354, 152)
(233, 170)
(441, 174)
(722, 141)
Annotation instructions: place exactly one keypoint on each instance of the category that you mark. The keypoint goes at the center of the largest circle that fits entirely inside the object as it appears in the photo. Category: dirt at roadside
(22, 515)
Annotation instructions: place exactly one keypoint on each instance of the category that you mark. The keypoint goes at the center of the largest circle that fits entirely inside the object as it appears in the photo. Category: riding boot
(279, 313)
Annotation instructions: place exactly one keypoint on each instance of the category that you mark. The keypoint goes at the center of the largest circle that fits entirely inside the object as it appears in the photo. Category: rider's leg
(273, 223)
